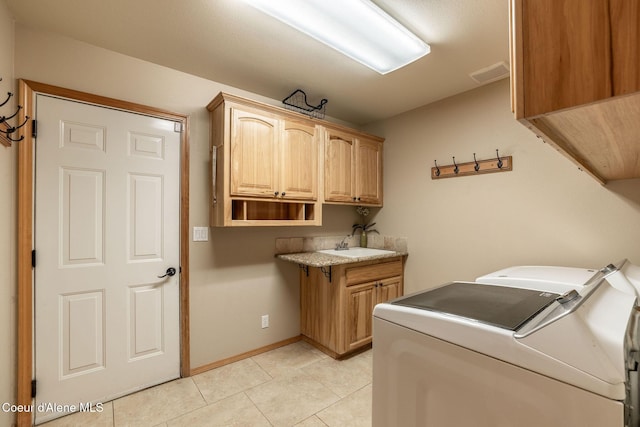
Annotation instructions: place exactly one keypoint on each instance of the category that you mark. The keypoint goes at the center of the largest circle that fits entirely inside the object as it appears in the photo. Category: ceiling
(229, 42)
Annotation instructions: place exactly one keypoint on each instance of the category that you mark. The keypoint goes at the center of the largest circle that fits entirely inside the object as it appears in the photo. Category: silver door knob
(170, 272)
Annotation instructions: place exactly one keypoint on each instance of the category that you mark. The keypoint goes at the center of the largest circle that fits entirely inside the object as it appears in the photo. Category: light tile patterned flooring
(295, 385)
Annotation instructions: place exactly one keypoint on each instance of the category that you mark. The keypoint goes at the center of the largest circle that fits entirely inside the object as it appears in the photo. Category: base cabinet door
(361, 300)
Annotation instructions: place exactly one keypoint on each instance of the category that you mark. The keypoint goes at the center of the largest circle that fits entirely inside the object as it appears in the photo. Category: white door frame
(25, 302)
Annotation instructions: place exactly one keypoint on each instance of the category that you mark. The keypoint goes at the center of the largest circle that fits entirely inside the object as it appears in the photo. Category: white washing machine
(526, 346)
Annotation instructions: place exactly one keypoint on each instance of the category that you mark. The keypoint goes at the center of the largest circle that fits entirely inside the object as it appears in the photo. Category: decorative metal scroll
(297, 101)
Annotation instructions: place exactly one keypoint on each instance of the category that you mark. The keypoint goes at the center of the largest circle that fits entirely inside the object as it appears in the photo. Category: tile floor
(295, 385)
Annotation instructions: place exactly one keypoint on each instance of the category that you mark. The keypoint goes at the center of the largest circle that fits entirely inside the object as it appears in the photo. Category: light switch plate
(200, 234)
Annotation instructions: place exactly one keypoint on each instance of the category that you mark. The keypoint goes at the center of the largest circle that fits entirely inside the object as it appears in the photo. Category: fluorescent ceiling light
(356, 28)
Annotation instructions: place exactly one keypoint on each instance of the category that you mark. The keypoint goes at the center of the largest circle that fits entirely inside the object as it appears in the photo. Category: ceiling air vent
(491, 73)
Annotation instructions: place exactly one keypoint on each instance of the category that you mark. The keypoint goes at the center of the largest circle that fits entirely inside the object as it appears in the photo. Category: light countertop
(317, 259)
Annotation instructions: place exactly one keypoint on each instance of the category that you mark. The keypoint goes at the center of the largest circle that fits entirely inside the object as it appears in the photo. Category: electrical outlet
(265, 321)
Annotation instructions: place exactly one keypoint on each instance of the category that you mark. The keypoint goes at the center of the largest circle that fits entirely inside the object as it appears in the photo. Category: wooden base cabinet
(336, 315)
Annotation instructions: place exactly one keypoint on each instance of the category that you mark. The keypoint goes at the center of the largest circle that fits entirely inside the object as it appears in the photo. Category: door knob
(170, 272)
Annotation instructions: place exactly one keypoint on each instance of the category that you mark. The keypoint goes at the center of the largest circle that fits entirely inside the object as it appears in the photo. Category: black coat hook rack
(6, 130)
(475, 167)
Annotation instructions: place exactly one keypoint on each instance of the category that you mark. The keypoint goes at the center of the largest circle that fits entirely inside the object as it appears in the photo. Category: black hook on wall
(9, 95)
(4, 118)
(500, 164)
(456, 169)
(476, 167)
(15, 128)
(435, 162)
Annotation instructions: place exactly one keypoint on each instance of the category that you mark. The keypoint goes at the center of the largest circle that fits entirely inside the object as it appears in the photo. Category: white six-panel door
(106, 226)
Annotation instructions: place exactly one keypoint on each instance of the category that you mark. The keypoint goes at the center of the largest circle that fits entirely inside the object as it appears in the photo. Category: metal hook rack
(475, 167)
(6, 130)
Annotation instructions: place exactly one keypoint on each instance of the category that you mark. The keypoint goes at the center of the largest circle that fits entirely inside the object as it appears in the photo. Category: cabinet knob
(276, 193)
(358, 198)
(283, 193)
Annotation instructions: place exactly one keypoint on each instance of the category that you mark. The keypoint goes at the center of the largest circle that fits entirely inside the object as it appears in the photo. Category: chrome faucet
(343, 246)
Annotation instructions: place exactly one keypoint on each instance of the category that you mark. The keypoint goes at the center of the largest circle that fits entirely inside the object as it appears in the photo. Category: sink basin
(356, 252)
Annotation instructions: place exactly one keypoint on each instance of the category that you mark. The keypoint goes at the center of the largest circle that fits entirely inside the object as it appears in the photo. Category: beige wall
(7, 226)
(544, 212)
(234, 277)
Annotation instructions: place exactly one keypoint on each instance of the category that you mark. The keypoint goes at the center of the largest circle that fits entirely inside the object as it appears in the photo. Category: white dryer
(526, 346)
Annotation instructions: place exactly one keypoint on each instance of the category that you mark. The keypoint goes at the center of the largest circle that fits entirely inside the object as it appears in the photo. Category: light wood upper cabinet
(268, 165)
(271, 157)
(568, 54)
(576, 79)
(299, 161)
(264, 165)
(625, 42)
(254, 149)
(339, 162)
(369, 172)
(353, 169)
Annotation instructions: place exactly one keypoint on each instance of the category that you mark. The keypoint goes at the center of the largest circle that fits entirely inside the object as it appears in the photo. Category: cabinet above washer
(575, 76)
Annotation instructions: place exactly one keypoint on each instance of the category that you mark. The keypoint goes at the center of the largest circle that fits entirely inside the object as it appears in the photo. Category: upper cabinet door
(575, 74)
(369, 172)
(568, 53)
(625, 32)
(254, 141)
(353, 169)
(298, 161)
(573, 52)
(339, 171)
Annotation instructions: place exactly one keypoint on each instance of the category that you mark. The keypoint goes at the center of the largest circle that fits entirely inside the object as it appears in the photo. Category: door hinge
(34, 128)
(33, 388)
(33, 258)
(177, 127)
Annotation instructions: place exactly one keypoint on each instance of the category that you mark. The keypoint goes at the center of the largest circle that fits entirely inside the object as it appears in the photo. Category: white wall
(234, 278)
(545, 211)
(7, 225)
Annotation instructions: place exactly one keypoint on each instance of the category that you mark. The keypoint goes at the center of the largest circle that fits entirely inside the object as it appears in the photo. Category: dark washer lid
(500, 306)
